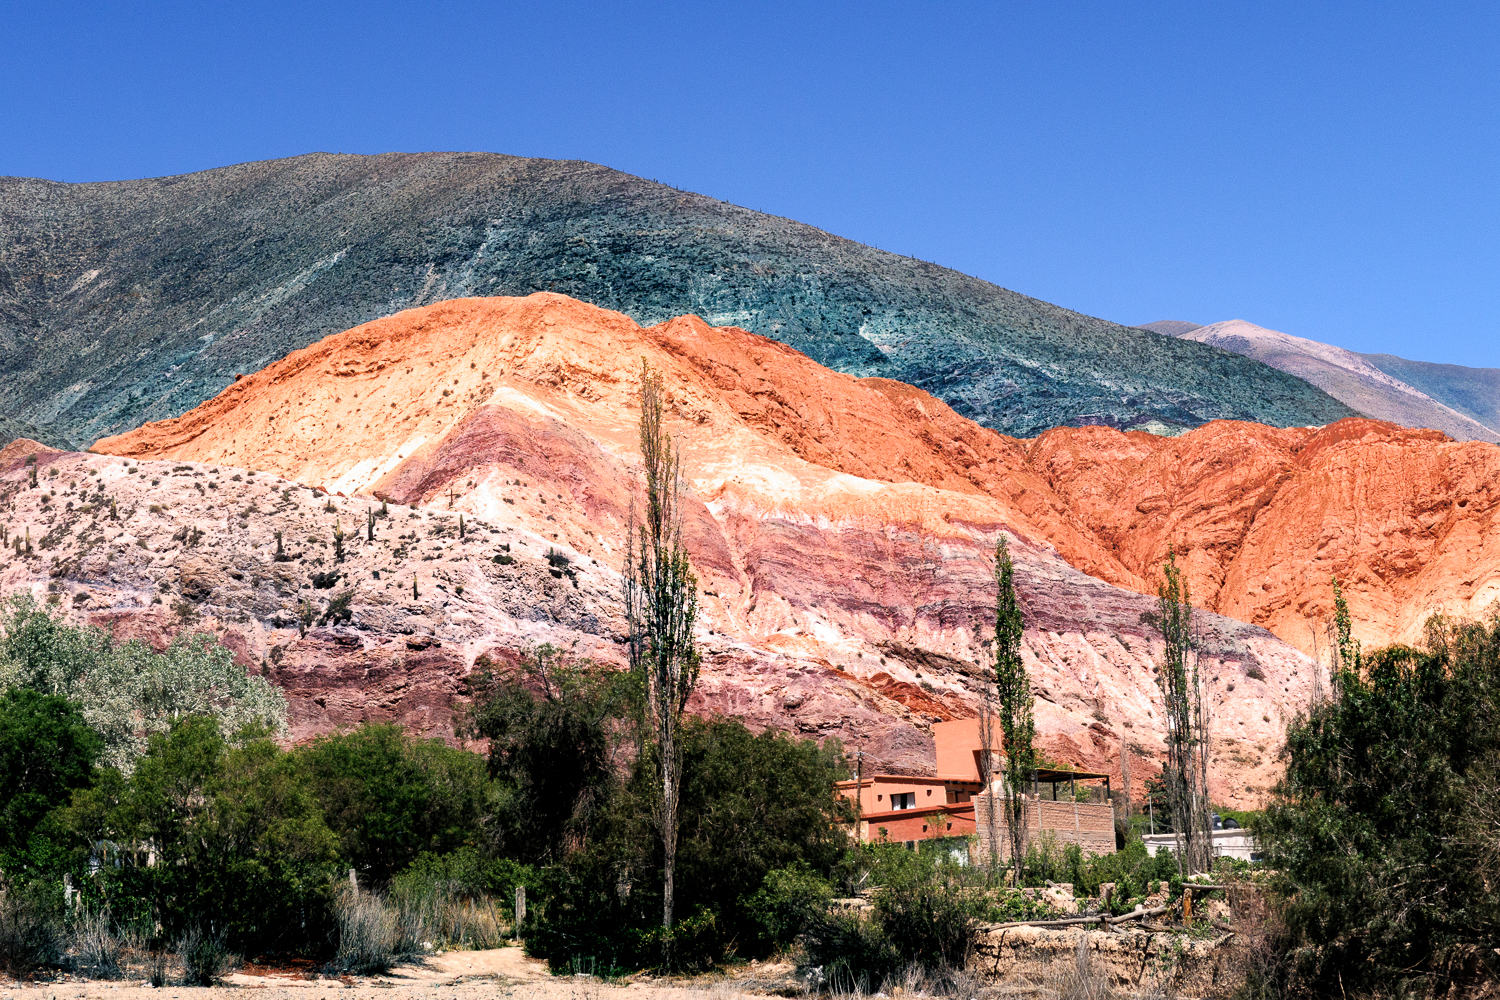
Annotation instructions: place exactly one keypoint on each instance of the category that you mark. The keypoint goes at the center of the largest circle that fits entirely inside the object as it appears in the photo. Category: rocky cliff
(1263, 517)
(840, 527)
(136, 300)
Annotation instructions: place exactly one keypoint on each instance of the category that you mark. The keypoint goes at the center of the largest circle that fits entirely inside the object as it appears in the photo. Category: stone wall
(1160, 963)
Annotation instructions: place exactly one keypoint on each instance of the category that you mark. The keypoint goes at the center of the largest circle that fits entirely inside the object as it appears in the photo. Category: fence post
(520, 909)
(353, 883)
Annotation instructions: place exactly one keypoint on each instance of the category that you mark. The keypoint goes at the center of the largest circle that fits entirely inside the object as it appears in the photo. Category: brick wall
(1088, 824)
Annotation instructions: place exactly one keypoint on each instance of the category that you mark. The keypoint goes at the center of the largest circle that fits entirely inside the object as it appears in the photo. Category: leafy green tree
(389, 796)
(208, 835)
(1013, 694)
(1383, 826)
(554, 732)
(46, 751)
(750, 805)
(128, 691)
(42, 652)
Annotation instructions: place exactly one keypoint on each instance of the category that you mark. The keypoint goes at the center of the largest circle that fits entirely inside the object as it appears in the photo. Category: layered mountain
(126, 302)
(841, 527)
(1474, 392)
(1357, 380)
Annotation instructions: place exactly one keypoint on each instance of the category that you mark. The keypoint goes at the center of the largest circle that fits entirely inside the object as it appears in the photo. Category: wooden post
(520, 909)
(1187, 905)
(353, 883)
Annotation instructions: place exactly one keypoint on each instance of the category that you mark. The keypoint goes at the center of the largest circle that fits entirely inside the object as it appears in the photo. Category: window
(904, 800)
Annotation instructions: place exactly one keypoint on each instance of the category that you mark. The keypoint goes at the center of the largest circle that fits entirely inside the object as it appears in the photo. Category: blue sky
(1325, 169)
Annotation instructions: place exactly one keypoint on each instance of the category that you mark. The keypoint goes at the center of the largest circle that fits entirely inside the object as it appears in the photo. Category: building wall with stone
(1091, 825)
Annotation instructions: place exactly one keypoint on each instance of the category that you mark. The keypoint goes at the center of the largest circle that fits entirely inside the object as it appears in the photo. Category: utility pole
(859, 794)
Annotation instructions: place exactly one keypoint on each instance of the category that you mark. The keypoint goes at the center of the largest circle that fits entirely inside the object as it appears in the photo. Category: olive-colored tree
(1015, 702)
(1188, 745)
(661, 604)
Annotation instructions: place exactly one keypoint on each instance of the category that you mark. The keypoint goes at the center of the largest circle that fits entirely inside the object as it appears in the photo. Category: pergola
(1055, 776)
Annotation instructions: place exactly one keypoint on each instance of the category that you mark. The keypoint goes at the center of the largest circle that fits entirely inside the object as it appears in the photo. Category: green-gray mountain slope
(1474, 392)
(130, 301)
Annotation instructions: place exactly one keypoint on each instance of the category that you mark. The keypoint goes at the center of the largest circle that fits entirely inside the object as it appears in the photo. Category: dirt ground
(454, 975)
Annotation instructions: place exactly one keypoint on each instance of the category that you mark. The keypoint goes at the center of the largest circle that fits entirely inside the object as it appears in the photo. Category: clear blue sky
(1330, 170)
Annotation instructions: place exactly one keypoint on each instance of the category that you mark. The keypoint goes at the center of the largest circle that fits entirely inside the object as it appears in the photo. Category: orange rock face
(1264, 518)
(846, 523)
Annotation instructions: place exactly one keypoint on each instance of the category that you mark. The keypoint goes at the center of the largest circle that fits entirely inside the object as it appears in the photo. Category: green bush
(1384, 825)
(46, 751)
(925, 908)
(238, 843)
(751, 804)
(788, 902)
(553, 729)
(389, 796)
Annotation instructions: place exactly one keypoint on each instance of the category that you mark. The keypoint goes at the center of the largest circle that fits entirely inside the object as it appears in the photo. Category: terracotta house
(954, 802)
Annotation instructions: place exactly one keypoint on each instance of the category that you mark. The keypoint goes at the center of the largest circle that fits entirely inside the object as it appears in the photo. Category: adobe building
(1073, 806)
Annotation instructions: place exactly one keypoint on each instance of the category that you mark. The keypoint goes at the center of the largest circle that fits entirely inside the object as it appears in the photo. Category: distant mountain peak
(1344, 375)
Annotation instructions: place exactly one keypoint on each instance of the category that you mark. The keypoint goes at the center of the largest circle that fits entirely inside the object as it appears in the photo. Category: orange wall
(956, 742)
(875, 796)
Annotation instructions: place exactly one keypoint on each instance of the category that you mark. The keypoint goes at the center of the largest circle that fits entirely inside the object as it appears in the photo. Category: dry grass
(93, 949)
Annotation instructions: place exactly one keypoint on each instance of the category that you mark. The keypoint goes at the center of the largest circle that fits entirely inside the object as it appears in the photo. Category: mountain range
(1463, 403)
(841, 528)
(130, 301)
(313, 436)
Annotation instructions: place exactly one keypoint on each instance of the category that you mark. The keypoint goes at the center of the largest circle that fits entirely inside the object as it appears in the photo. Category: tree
(751, 804)
(46, 751)
(1013, 692)
(389, 796)
(1384, 826)
(210, 836)
(661, 604)
(553, 733)
(128, 691)
(1186, 771)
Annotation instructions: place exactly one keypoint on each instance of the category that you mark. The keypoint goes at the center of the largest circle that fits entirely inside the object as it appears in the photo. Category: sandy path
(456, 975)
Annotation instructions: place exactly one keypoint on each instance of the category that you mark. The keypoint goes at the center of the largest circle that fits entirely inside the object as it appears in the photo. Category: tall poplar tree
(661, 604)
(1013, 694)
(1186, 773)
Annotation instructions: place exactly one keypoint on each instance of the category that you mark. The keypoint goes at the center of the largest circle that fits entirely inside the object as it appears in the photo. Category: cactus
(338, 542)
(460, 527)
(369, 525)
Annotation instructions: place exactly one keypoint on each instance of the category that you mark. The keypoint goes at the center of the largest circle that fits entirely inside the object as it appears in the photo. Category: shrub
(1384, 824)
(46, 751)
(389, 796)
(205, 958)
(789, 901)
(93, 949)
(447, 900)
(930, 923)
(367, 933)
(30, 929)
